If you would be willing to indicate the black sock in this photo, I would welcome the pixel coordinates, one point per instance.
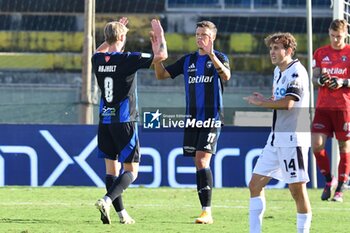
(199, 187)
(119, 185)
(205, 178)
(118, 202)
(340, 186)
(328, 177)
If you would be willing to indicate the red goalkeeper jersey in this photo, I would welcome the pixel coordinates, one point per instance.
(337, 63)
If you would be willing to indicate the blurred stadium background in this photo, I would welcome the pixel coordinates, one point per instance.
(42, 41)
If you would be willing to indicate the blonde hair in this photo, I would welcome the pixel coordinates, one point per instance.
(339, 25)
(113, 30)
(284, 38)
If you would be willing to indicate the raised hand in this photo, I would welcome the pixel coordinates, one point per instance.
(207, 48)
(157, 28)
(158, 41)
(123, 20)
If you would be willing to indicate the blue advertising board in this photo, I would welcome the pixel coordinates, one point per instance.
(47, 155)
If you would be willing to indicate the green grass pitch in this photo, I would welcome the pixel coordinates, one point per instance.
(71, 209)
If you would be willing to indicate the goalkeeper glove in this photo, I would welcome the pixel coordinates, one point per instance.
(336, 83)
(323, 79)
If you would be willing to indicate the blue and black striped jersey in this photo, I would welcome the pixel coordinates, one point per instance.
(116, 76)
(203, 85)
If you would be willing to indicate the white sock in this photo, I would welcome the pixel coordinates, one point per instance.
(256, 212)
(207, 208)
(122, 213)
(304, 222)
(107, 200)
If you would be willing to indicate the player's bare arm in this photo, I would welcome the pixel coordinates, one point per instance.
(223, 71)
(159, 49)
(259, 100)
(158, 41)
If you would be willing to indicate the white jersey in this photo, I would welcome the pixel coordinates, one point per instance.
(291, 128)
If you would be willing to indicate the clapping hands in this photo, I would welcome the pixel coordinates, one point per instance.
(255, 99)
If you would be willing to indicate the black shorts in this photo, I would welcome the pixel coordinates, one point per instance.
(119, 141)
(200, 139)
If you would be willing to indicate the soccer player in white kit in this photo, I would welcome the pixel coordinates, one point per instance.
(285, 155)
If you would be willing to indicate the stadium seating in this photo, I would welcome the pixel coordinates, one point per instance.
(246, 3)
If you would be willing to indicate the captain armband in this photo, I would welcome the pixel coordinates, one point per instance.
(219, 70)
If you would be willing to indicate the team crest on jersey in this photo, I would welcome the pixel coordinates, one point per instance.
(209, 64)
(344, 58)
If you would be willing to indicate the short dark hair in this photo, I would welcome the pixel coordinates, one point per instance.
(339, 25)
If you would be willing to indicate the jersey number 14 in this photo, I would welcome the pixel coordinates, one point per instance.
(290, 165)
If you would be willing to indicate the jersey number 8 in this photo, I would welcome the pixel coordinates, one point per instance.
(108, 83)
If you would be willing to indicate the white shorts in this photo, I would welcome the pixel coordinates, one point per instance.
(288, 164)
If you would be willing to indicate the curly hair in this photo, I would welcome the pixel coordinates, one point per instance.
(284, 38)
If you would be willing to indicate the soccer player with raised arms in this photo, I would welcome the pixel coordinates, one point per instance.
(285, 155)
(115, 71)
(204, 72)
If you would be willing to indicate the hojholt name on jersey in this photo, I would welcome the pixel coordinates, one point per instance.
(112, 68)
